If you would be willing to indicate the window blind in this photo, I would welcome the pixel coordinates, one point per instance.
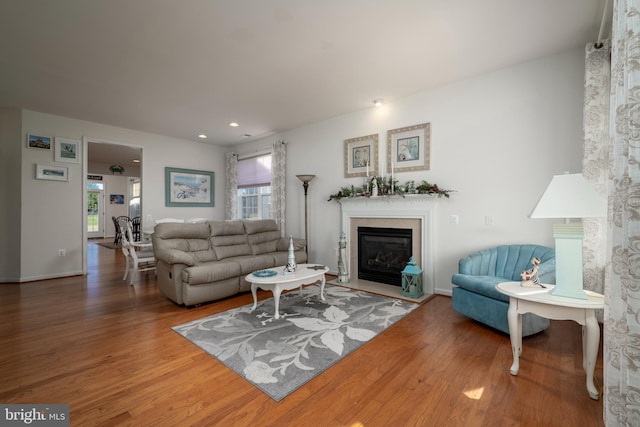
(254, 171)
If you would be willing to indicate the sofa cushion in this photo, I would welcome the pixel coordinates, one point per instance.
(226, 228)
(260, 225)
(228, 239)
(508, 261)
(251, 263)
(174, 230)
(264, 242)
(182, 243)
(263, 235)
(283, 244)
(483, 285)
(210, 272)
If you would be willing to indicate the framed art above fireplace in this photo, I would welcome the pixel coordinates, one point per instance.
(408, 148)
(361, 156)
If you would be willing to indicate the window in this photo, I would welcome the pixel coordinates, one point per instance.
(95, 186)
(254, 187)
(135, 186)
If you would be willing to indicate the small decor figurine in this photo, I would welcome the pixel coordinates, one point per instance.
(291, 259)
(374, 187)
(530, 277)
(343, 273)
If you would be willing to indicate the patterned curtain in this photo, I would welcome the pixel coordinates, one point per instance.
(278, 182)
(597, 84)
(622, 278)
(231, 187)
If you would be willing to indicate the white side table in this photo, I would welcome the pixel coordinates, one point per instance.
(540, 301)
(304, 274)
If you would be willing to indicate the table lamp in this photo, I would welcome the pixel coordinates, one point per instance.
(569, 196)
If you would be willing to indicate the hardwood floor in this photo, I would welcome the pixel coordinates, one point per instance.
(107, 350)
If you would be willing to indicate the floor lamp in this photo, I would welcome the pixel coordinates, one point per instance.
(569, 196)
(305, 183)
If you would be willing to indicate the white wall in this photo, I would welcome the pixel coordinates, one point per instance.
(52, 212)
(10, 130)
(115, 184)
(497, 140)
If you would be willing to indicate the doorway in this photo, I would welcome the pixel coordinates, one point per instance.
(112, 168)
(95, 211)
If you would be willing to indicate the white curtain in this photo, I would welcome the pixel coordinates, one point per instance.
(231, 186)
(278, 183)
(622, 275)
(595, 161)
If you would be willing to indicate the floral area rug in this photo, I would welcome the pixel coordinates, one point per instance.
(278, 356)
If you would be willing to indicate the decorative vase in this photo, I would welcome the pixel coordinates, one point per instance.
(291, 259)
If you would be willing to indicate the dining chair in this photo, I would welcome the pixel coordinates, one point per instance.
(139, 256)
(135, 227)
(116, 223)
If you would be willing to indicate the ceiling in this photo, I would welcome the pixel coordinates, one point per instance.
(180, 68)
(113, 154)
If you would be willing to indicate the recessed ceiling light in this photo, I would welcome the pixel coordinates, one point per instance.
(136, 160)
(234, 124)
(378, 102)
(246, 135)
(202, 136)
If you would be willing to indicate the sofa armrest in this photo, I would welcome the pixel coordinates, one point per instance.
(175, 256)
(283, 244)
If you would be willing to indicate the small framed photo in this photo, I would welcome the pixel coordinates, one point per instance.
(187, 187)
(39, 142)
(52, 173)
(67, 150)
(408, 148)
(116, 199)
(361, 156)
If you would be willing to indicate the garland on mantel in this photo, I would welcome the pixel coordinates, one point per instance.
(384, 189)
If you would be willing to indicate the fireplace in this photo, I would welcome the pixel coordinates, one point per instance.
(411, 212)
(383, 253)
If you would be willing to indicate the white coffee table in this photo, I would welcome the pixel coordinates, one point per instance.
(540, 301)
(304, 274)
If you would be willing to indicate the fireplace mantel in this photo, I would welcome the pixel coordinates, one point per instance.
(389, 211)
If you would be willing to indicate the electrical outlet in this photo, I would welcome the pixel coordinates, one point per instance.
(455, 219)
(488, 220)
(62, 252)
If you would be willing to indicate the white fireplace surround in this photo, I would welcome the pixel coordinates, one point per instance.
(413, 211)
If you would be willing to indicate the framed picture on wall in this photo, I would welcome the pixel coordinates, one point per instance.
(67, 150)
(361, 156)
(116, 199)
(188, 187)
(52, 173)
(39, 142)
(408, 148)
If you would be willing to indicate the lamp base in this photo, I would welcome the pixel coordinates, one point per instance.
(569, 266)
(569, 293)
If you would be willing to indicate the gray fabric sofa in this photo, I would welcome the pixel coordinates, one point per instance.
(202, 262)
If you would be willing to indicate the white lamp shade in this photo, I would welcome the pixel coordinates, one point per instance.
(570, 196)
(305, 178)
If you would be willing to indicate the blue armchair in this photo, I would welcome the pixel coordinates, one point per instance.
(475, 294)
